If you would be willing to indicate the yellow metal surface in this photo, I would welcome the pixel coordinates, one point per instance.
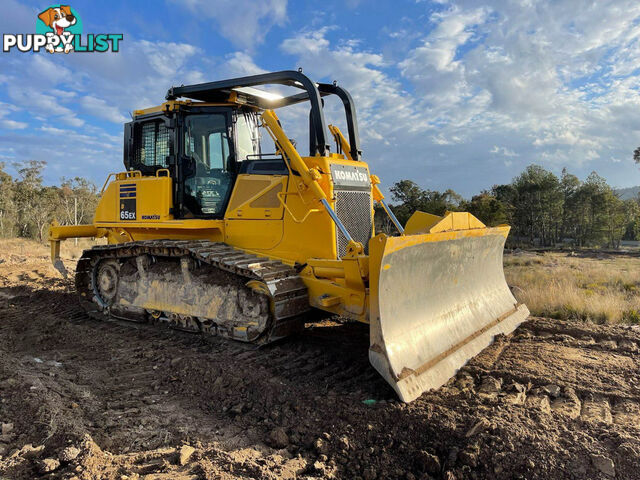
(174, 105)
(262, 238)
(153, 219)
(307, 172)
(327, 301)
(376, 193)
(153, 201)
(256, 197)
(277, 216)
(62, 232)
(421, 222)
(346, 301)
(58, 232)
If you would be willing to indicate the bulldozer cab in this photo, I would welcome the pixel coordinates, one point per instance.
(201, 148)
(205, 140)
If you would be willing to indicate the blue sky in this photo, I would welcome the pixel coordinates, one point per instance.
(458, 95)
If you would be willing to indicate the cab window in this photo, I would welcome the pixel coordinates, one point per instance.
(218, 150)
(151, 146)
(208, 182)
(247, 135)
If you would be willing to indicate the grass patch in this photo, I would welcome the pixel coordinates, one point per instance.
(600, 290)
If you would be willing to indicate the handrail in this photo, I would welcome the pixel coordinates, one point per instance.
(127, 174)
(106, 182)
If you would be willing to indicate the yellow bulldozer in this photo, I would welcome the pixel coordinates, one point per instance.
(207, 233)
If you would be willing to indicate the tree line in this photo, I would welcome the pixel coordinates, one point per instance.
(27, 207)
(542, 208)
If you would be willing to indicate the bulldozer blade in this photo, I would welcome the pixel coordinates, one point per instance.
(437, 300)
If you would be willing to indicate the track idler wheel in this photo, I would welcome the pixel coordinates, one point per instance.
(105, 282)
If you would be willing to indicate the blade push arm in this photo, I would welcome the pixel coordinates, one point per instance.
(379, 197)
(310, 176)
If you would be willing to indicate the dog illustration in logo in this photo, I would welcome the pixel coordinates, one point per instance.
(58, 19)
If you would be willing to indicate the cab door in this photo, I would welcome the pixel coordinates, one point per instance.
(254, 217)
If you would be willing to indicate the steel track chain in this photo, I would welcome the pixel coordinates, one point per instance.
(287, 292)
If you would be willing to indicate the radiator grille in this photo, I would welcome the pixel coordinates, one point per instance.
(354, 211)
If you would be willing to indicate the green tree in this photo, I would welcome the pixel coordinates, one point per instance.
(438, 203)
(27, 207)
(487, 208)
(36, 204)
(598, 214)
(411, 198)
(409, 195)
(538, 205)
(506, 195)
(595, 189)
(8, 214)
(27, 192)
(383, 223)
(613, 217)
(45, 207)
(632, 216)
(569, 185)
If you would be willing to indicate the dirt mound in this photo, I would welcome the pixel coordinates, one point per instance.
(86, 399)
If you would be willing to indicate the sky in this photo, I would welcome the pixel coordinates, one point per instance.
(460, 95)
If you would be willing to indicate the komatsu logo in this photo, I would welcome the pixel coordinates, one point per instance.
(346, 177)
(351, 176)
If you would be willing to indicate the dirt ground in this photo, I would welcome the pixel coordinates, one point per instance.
(83, 399)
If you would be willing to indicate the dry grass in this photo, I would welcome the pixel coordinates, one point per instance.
(600, 288)
(32, 248)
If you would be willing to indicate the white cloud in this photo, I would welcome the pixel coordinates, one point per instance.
(243, 22)
(165, 58)
(47, 104)
(101, 109)
(240, 64)
(67, 152)
(361, 72)
(432, 67)
(546, 77)
(13, 125)
(504, 151)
